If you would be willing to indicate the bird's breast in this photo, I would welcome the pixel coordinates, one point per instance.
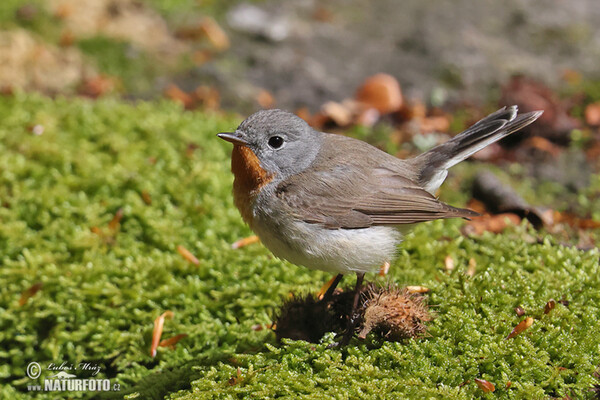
(249, 178)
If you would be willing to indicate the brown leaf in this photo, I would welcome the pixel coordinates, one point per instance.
(472, 267)
(265, 99)
(146, 197)
(439, 123)
(29, 292)
(485, 385)
(448, 263)
(215, 34)
(201, 57)
(549, 306)
(337, 112)
(531, 95)
(172, 341)
(544, 145)
(521, 326)
(381, 92)
(574, 221)
(98, 86)
(592, 114)
(417, 289)
(208, 96)
(176, 94)
(245, 242)
(385, 267)
(115, 222)
(187, 255)
(491, 223)
(158, 329)
(520, 311)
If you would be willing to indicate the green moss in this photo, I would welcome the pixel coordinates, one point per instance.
(100, 295)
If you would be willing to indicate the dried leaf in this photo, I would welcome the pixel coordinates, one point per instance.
(471, 269)
(172, 341)
(187, 255)
(574, 221)
(592, 114)
(549, 306)
(337, 112)
(521, 326)
(417, 289)
(208, 96)
(265, 99)
(381, 92)
(245, 242)
(115, 222)
(385, 267)
(448, 263)
(542, 144)
(484, 385)
(215, 34)
(176, 94)
(158, 329)
(98, 86)
(29, 292)
(146, 197)
(491, 223)
(520, 311)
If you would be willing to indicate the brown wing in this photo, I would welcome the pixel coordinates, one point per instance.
(340, 193)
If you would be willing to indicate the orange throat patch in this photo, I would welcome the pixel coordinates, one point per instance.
(249, 178)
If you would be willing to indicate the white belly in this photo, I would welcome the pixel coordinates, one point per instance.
(336, 251)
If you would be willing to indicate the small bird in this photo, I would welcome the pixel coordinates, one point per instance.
(337, 204)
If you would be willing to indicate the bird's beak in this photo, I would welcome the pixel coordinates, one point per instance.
(233, 137)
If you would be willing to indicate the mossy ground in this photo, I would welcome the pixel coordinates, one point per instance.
(101, 294)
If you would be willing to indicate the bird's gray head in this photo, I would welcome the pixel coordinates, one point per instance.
(283, 143)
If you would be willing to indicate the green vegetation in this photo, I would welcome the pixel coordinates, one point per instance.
(103, 287)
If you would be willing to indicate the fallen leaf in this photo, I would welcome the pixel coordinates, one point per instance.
(115, 222)
(215, 34)
(208, 96)
(531, 95)
(176, 94)
(520, 311)
(29, 292)
(146, 197)
(265, 99)
(337, 112)
(543, 144)
(491, 223)
(201, 57)
(549, 306)
(187, 255)
(521, 326)
(172, 341)
(417, 289)
(158, 329)
(235, 378)
(381, 92)
(471, 269)
(485, 385)
(592, 114)
(440, 123)
(383, 270)
(245, 242)
(98, 86)
(574, 221)
(448, 263)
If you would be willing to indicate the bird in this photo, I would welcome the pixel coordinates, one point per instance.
(338, 204)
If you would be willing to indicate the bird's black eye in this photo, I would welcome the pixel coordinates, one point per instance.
(275, 142)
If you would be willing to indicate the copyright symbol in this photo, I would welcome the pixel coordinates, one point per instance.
(34, 370)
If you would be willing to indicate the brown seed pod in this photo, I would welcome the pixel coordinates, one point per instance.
(393, 313)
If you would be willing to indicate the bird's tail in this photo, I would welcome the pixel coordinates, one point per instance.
(433, 165)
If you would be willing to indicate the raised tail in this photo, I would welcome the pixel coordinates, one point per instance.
(433, 165)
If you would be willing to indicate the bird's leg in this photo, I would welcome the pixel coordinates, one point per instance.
(327, 290)
(352, 316)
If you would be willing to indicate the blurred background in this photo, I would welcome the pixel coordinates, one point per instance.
(403, 76)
